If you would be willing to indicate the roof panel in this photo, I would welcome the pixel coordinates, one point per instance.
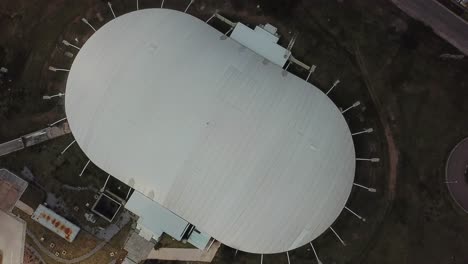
(55, 223)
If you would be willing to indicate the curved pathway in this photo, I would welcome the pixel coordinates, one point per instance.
(393, 153)
(35, 254)
(62, 260)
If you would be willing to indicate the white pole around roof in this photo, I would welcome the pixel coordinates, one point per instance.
(235, 253)
(352, 106)
(112, 10)
(73, 142)
(287, 65)
(162, 3)
(312, 69)
(367, 130)
(58, 121)
(364, 187)
(211, 17)
(191, 2)
(87, 23)
(66, 43)
(336, 234)
(367, 159)
(333, 86)
(48, 97)
(86, 166)
(52, 68)
(261, 259)
(315, 253)
(448, 182)
(137, 5)
(104, 186)
(287, 254)
(358, 216)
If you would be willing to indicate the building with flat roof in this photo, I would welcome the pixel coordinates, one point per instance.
(212, 129)
(12, 238)
(11, 189)
(55, 223)
(12, 228)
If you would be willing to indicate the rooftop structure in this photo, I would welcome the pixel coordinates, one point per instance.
(55, 223)
(106, 207)
(155, 219)
(11, 189)
(211, 130)
(263, 41)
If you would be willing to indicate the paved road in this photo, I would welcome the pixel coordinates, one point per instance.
(34, 138)
(11, 146)
(32, 253)
(443, 21)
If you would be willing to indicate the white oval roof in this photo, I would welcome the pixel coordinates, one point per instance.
(261, 161)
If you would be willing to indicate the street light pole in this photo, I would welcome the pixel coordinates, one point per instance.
(48, 97)
(449, 182)
(68, 44)
(366, 159)
(87, 23)
(367, 130)
(58, 121)
(51, 68)
(355, 214)
(364, 187)
(312, 69)
(352, 106)
(112, 10)
(333, 86)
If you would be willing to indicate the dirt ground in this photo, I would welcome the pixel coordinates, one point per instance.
(415, 101)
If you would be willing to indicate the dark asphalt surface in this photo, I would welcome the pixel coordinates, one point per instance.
(455, 171)
(445, 23)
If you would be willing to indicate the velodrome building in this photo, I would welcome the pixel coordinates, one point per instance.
(218, 141)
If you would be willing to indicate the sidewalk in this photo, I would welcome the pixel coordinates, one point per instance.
(185, 254)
